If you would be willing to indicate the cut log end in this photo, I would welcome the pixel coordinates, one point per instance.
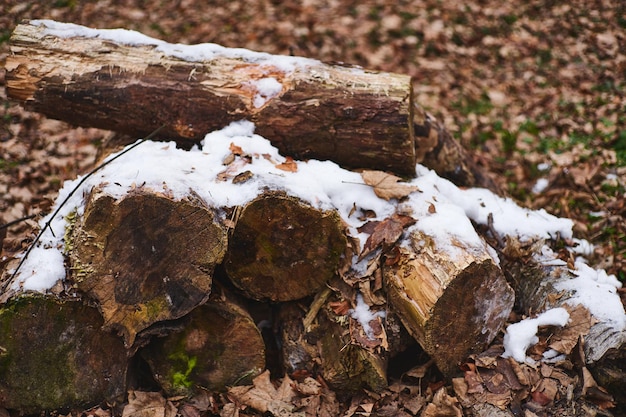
(123, 256)
(219, 347)
(53, 355)
(283, 249)
(453, 307)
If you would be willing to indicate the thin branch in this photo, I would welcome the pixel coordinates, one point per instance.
(11, 223)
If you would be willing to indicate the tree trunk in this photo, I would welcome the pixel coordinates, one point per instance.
(283, 249)
(53, 355)
(452, 300)
(307, 109)
(311, 110)
(145, 258)
(219, 346)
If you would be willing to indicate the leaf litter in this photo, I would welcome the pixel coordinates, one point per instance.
(511, 80)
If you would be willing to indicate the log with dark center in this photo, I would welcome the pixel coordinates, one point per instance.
(145, 258)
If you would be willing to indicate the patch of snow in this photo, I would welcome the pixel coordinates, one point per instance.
(582, 247)
(523, 334)
(266, 89)
(362, 313)
(540, 185)
(597, 291)
(196, 53)
(544, 166)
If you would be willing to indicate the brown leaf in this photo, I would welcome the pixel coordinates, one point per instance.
(384, 233)
(236, 150)
(289, 165)
(564, 339)
(387, 186)
(443, 405)
(148, 404)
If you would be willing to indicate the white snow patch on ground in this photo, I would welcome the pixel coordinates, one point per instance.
(522, 335)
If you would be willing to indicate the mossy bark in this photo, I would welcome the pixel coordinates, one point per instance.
(219, 346)
(54, 356)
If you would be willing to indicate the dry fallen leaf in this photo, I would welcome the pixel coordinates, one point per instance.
(387, 186)
(148, 404)
(289, 165)
(384, 233)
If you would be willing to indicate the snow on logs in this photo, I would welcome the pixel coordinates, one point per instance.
(127, 82)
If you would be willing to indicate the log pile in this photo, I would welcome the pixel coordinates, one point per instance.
(173, 278)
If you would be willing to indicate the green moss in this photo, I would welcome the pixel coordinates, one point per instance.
(183, 365)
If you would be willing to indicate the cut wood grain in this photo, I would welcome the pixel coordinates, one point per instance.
(145, 258)
(452, 300)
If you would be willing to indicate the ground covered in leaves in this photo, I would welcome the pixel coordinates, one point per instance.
(536, 88)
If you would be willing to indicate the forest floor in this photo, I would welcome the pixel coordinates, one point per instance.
(536, 89)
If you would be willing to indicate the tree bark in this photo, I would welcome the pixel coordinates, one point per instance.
(453, 301)
(357, 118)
(145, 258)
(54, 356)
(283, 249)
(219, 346)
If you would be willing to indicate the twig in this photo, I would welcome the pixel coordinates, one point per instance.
(89, 174)
(11, 223)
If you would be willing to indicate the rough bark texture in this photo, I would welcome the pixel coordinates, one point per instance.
(54, 356)
(284, 249)
(145, 258)
(220, 346)
(357, 118)
(453, 302)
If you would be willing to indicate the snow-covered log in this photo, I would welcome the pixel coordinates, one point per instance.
(53, 355)
(145, 257)
(127, 82)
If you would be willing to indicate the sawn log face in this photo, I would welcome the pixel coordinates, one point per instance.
(145, 258)
(284, 249)
(454, 304)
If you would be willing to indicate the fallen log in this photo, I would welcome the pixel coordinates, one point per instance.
(129, 83)
(144, 257)
(283, 249)
(219, 346)
(355, 117)
(53, 356)
(453, 299)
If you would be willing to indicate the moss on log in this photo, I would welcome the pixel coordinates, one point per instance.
(54, 356)
(220, 346)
